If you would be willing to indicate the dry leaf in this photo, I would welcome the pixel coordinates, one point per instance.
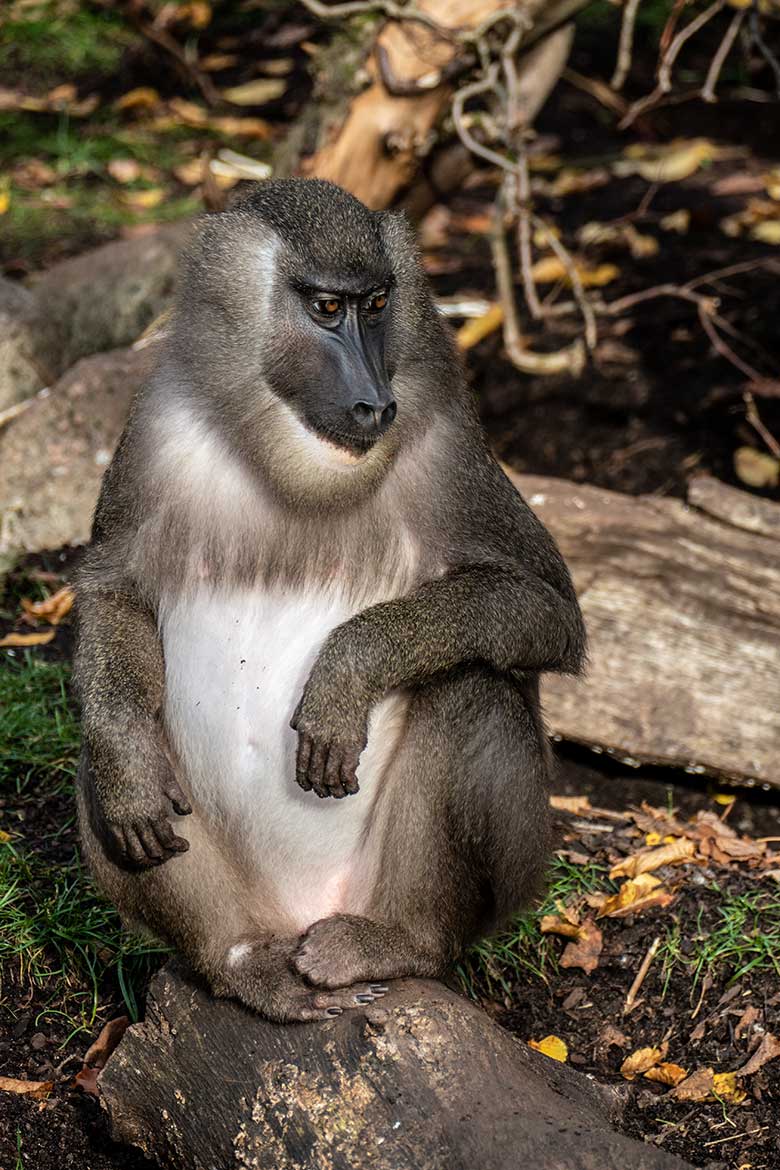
(143, 98)
(143, 200)
(681, 849)
(641, 1060)
(87, 1079)
(572, 182)
(696, 1087)
(586, 950)
(669, 163)
(241, 127)
(550, 269)
(678, 221)
(551, 1046)
(666, 1074)
(188, 112)
(214, 62)
(124, 170)
(768, 231)
(755, 468)
(578, 805)
(191, 172)
(478, 328)
(4, 837)
(37, 1089)
(53, 608)
(255, 93)
(39, 639)
(635, 894)
(726, 1086)
(98, 1053)
(554, 924)
(768, 1049)
(5, 201)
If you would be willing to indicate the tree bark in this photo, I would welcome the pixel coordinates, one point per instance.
(682, 605)
(423, 1080)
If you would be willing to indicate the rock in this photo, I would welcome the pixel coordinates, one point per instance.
(52, 457)
(20, 374)
(104, 298)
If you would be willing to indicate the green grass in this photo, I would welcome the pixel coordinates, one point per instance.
(56, 934)
(56, 40)
(741, 935)
(497, 964)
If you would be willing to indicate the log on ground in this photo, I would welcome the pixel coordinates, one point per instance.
(682, 604)
(422, 1080)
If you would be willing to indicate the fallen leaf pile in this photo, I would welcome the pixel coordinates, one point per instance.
(650, 852)
(50, 610)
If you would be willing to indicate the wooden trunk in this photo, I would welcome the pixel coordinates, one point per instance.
(422, 1080)
(682, 605)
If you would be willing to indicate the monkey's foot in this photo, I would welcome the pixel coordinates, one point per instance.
(300, 1004)
(331, 953)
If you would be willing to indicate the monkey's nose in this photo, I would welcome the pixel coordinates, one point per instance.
(374, 418)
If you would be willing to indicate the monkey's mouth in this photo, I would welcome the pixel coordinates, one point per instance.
(345, 448)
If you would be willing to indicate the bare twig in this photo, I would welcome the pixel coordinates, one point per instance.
(641, 975)
(570, 360)
(584, 305)
(626, 44)
(690, 30)
(763, 47)
(718, 61)
(756, 422)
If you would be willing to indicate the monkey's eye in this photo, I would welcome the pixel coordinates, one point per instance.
(327, 306)
(377, 302)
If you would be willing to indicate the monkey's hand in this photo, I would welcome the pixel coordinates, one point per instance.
(332, 724)
(136, 795)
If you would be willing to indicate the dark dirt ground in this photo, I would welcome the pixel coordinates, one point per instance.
(656, 404)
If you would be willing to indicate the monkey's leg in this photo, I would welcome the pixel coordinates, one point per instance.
(464, 834)
(200, 904)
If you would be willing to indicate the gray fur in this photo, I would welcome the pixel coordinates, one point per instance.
(455, 597)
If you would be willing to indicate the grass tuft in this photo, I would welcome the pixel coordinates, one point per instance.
(56, 934)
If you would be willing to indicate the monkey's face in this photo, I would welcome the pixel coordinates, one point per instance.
(327, 356)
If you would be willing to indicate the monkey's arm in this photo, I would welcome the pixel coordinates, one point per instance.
(120, 680)
(500, 613)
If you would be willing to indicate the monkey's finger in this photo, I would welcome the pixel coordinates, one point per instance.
(168, 840)
(133, 848)
(302, 762)
(317, 764)
(332, 777)
(151, 846)
(349, 778)
(181, 805)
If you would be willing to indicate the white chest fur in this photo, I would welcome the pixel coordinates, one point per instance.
(236, 663)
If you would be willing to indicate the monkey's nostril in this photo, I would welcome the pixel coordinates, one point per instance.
(389, 413)
(363, 413)
(374, 418)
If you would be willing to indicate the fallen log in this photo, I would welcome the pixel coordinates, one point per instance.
(423, 1080)
(390, 126)
(682, 604)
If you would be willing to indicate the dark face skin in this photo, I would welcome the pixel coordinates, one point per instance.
(335, 372)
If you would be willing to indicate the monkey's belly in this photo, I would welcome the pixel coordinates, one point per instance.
(235, 668)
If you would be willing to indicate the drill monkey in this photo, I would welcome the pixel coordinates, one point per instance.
(312, 620)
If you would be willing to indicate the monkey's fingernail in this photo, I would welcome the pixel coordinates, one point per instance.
(334, 1011)
(364, 997)
(378, 988)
